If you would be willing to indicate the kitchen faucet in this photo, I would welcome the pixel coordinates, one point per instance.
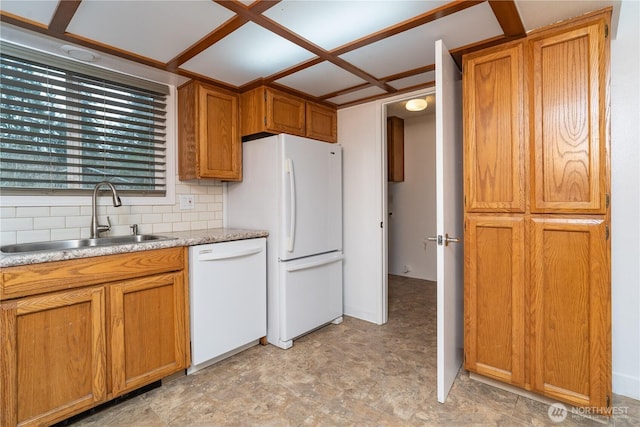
(96, 228)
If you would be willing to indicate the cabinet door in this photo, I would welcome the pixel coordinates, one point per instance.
(395, 149)
(148, 330)
(285, 113)
(495, 278)
(494, 131)
(571, 317)
(53, 356)
(321, 122)
(569, 145)
(220, 147)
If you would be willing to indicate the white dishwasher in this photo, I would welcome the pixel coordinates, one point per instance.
(228, 299)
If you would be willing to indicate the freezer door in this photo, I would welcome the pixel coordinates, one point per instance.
(312, 197)
(311, 294)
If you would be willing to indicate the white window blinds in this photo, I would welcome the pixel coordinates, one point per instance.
(65, 126)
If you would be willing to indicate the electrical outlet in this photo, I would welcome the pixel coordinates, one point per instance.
(187, 201)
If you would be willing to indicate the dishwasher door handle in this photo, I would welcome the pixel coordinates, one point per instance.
(209, 255)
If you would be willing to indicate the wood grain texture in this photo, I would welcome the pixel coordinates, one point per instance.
(395, 149)
(494, 130)
(209, 144)
(220, 147)
(35, 279)
(147, 330)
(321, 122)
(187, 139)
(495, 274)
(569, 144)
(56, 356)
(285, 113)
(570, 282)
(567, 252)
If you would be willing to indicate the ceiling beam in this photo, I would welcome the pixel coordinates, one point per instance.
(283, 32)
(508, 17)
(432, 15)
(63, 15)
(218, 34)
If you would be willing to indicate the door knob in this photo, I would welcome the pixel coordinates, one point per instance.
(446, 239)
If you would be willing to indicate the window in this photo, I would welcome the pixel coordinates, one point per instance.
(65, 126)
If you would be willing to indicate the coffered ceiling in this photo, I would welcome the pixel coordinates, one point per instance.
(340, 52)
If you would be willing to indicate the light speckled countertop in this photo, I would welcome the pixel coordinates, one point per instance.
(181, 238)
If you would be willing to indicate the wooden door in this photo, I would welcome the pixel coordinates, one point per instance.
(569, 144)
(148, 330)
(321, 122)
(570, 309)
(495, 277)
(285, 113)
(53, 356)
(495, 130)
(220, 147)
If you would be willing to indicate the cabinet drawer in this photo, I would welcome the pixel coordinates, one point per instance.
(52, 276)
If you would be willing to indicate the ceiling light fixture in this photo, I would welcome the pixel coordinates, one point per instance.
(417, 104)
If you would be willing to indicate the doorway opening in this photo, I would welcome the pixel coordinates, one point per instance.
(410, 193)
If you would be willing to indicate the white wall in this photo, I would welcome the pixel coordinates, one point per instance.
(413, 203)
(360, 134)
(625, 199)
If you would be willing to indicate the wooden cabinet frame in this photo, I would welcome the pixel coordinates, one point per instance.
(564, 351)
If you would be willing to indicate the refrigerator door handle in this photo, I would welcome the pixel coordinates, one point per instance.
(291, 238)
(317, 263)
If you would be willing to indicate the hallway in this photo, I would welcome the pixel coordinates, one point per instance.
(356, 373)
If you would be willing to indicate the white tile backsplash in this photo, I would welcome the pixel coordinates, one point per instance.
(41, 223)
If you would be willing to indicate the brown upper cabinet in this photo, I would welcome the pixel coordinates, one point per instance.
(537, 248)
(495, 130)
(569, 68)
(209, 144)
(395, 149)
(267, 110)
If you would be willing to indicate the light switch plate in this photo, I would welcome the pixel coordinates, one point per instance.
(187, 201)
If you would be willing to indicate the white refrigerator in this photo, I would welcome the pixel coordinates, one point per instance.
(292, 187)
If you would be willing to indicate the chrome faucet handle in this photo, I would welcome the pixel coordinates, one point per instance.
(102, 228)
(134, 229)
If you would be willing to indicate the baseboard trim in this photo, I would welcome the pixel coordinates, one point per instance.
(626, 385)
(533, 396)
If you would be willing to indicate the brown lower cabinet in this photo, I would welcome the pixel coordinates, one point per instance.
(122, 325)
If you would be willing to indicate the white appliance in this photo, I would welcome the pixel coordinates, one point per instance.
(228, 299)
(292, 187)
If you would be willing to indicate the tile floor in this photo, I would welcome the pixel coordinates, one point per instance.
(356, 373)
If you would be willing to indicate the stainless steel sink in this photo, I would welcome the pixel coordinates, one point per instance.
(58, 245)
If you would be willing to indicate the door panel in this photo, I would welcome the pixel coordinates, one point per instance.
(495, 274)
(312, 194)
(449, 197)
(571, 313)
(569, 144)
(495, 131)
(311, 293)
